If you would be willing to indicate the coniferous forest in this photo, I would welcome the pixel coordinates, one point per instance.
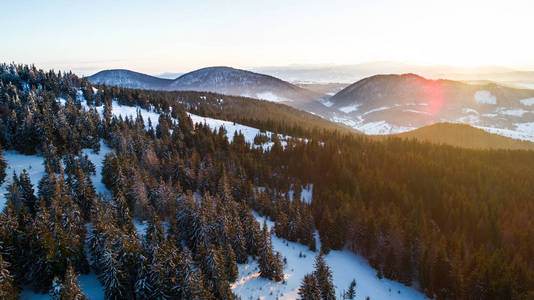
(454, 223)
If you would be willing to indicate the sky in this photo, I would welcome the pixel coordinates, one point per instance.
(179, 36)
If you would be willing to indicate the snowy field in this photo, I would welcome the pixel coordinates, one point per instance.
(345, 267)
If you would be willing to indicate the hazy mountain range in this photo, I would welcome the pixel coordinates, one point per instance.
(223, 80)
(352, 73)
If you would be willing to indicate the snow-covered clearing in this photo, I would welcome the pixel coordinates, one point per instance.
(526, 128)
(98, 161)
(269, 96)
(513, 112)
(485, 97)
(345, 267)
(248, 132)
(125, 111)
(350, 108)
(305, 194)
(527, 102)
(17, 162)
(231, 128)
(524, 131)
(381, 127)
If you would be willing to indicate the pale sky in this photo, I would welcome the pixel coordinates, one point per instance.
(180, 36)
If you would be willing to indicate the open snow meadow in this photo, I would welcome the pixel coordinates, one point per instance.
(345, 267)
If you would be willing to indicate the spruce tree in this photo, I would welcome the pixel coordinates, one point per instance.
(48, 187)
(112, 276)
(14, 194)
(309, 288)
(28, 194)
(351, 292)
(67, 289)
(270, 263)
(3, 166)
(324, 278)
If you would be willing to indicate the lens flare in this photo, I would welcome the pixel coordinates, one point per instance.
(435, 97)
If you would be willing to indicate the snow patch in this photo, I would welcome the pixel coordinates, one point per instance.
(514, 112)
(485, 97)
(382, 127)
(305, 194)
(377, 109)
(350, 108)
(525, 127)
(416, 111)
(140, 227)
(326, 102)
(527, 102)
(522, 132)
(269, 96)
(467, 110)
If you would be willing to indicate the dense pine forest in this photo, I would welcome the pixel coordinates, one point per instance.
(455, 223)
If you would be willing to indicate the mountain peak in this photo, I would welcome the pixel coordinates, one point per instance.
(217, 79)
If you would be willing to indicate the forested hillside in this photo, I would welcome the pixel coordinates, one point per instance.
(260, 114)
(465, 136)
(454, 223)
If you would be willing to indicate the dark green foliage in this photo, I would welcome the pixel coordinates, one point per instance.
(270, 262)
(324, 278)
(67, 289)
(3, 166)
(351, 292)
(309, 289)
(8, 289)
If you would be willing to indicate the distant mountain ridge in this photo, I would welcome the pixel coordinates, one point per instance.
(129, 79)
(222, 80)
(385, 104)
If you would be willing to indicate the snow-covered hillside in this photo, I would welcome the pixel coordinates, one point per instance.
(91, 286)
(345, 267)
(390, 104)
(231, 128)
(34, 165)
